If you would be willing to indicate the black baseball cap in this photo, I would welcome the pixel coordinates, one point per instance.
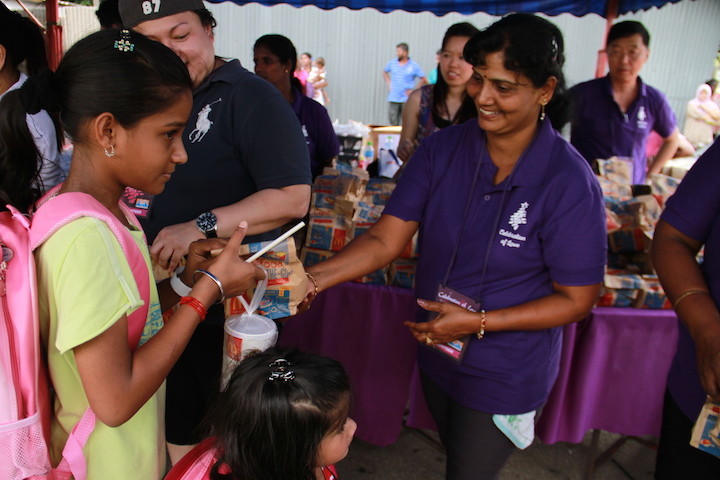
(133, 12)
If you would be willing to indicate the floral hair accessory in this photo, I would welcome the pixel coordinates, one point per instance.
(280, 370)
(124, 44)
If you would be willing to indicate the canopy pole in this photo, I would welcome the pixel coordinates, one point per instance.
(54, 33)
(30, 15)
(611, 15)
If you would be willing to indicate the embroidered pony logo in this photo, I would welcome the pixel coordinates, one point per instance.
(520, 217)
(203, 123)
(641, 114)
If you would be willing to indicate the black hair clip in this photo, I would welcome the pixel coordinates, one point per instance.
(124, 44)
(280, 370)
(554, 49)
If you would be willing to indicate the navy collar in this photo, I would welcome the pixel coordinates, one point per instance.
(227, 72)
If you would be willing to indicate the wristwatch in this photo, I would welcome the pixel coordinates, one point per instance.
(207, 224)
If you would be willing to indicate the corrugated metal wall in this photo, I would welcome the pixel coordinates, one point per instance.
(356, 45)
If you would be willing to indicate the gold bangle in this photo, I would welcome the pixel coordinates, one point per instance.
(687, 294)
(481, 333)
(314, 282)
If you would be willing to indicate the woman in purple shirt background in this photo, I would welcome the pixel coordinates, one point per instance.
(511, 222)
(275, 61)
(691, 219)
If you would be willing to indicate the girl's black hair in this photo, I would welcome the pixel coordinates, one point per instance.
(94, 76)
(440, 89)
(272, 429)
(533, 47)
(284, 49)
(23, 41)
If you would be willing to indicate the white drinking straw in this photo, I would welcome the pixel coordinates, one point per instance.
(282, 237)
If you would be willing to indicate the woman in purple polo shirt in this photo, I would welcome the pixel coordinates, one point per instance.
(275, 61)
(691, 219)
(512, 226)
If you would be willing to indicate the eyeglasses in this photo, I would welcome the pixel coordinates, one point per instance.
(619, 54)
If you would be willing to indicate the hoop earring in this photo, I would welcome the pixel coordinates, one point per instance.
(542, 110)
(111, 153)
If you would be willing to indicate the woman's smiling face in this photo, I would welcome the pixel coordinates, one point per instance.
(507, 101)
(185, 34)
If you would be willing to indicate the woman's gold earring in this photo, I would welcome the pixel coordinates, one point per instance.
(542, 110)
(111, 153)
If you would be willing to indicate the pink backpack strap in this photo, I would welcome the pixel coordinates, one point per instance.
(196, 464)
(54, 212)
(73, 463)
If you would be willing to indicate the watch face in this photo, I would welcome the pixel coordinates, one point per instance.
(207, 222)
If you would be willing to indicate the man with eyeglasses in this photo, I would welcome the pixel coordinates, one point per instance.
(614, 115)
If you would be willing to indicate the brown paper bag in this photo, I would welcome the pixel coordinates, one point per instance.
(287, 281)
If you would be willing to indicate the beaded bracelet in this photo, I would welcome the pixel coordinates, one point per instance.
(483, 317)
(195, 304)
(214, 279)
(314, 282)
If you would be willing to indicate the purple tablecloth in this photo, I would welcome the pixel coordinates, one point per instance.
(612, 371)
(362, 327)
(612, 376)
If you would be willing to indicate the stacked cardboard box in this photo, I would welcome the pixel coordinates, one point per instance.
(632, 214)
(343, 206)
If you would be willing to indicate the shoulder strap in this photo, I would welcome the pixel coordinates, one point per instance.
(73, 463)
(54, 212)
(196, 464)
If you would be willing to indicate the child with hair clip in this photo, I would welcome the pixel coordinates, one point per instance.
(284, 416)
(124, 100)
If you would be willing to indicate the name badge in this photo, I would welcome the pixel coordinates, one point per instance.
(455, 350)
(138, 201)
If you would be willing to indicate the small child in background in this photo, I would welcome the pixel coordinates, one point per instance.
(284, 416)
(318, 79)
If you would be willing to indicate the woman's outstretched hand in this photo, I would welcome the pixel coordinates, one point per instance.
(310, 294)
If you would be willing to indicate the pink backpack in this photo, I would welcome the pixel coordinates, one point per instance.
(25, 406)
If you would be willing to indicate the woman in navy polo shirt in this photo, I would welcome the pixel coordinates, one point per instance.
(512, 226)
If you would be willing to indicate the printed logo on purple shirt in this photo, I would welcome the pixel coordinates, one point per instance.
(516, 219)
(641, 119)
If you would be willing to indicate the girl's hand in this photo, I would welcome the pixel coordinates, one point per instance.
(452, 323)
(235, 274)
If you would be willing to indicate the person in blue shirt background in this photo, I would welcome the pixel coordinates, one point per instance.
(400, 74)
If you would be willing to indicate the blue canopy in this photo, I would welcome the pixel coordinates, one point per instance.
(467, 7)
